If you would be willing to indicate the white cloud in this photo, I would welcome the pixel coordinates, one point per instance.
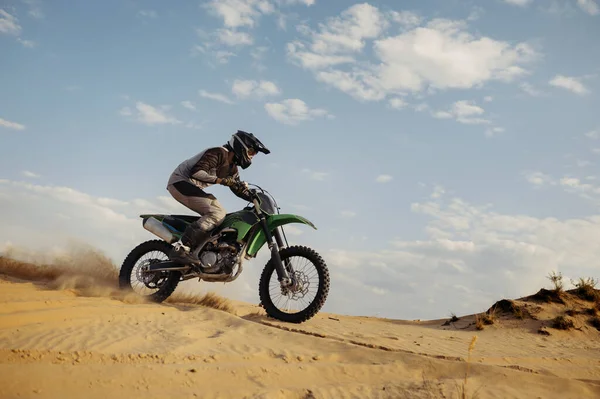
(438, 191)
(125, 111)
(26, 43)
(239, 18)
(215, 96)
(347, 32)
(30, 174)
(431, 56)
(211, 46)
(189, 105)
(358, 84)
(406, 19)
(592, 134)
(538, 178)
(292, 111)
(569, 83)
(150, 115)
(9, 24)
(463, 111)
(492, 131)
(488, 99)
(296, 52)
(397, 103)
(569, 184)
(383, 178)
(293, 2)
(231, 37)
(314, 175)
(589, 6)
(486, 254)
(257, 54)
(444, 49)
(520, 3)
(35, 10)
(193, 125)
(11, 125)
(253, 88)
(148, 14)
(530, 89)
(239, 13)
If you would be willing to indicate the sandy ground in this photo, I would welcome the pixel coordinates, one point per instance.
(56, 343)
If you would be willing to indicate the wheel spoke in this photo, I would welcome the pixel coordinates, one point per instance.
(301, 294)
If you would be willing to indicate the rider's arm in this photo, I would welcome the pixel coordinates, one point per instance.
(206, 168)
(241, 191)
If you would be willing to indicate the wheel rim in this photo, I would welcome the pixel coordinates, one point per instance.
(144, 283)
(305, 286)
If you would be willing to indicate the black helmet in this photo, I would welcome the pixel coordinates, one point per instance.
(240, 143)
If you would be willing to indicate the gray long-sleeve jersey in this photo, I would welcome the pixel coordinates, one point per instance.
(203, 169)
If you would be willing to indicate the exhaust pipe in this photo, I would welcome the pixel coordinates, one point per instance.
(156, 227)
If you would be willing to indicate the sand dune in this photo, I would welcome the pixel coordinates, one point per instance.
(67, 332)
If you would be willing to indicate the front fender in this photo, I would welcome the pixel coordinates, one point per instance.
(273, 221)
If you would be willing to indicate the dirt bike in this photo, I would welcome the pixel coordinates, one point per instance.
(239, 237)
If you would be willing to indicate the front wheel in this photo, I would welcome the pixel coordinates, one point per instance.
(309, 290)
(156, 286)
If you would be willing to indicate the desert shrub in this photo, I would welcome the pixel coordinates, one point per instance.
(549, 296)
(556, 280)
(571, 312)
(509, 306)
(586, 289)
(484, 319)
(452, 319)
(592, 311)
(562, 323)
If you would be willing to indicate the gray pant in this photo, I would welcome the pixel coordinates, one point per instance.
(211, 211)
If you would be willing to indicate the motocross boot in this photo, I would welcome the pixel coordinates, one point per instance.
(182, 253)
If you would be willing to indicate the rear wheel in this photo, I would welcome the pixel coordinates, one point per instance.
(156, 286)
(309, 290)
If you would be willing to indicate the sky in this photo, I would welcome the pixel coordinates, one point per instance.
(446, 150)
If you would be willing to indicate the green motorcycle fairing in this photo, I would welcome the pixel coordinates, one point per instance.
(242, 221)
(273, 221)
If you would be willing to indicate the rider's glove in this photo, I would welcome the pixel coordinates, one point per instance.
(228, 181)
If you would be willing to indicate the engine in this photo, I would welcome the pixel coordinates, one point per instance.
(220, 257)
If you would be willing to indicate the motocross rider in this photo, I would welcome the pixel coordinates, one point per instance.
(215, 165)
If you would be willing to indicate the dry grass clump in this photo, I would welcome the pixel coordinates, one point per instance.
(572, 312)
(586, 289)
(553, 295)
(452, 319)
(595, 322)
(209, 300)
(462, 389)
(508, 306)
(592, 311)
(562, 323)
(483, 319)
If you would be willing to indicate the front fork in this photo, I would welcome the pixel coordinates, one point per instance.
(283, 273)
